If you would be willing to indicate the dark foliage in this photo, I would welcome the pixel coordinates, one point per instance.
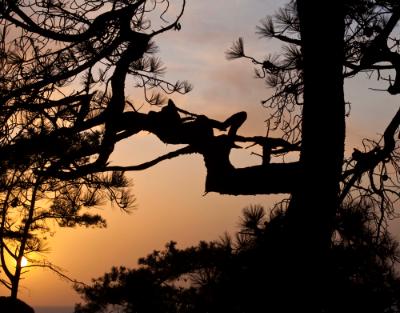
(10, 305)
(63, 66)
(245, 274)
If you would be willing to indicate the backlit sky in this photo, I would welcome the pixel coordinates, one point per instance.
(171, 204)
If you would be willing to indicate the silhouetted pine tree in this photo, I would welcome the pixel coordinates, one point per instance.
(242, 274)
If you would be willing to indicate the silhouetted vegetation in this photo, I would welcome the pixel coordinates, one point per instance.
(11, 305)
(32, 205)
(64, 107)
(244, 273)
(62, 95)
(308, 107)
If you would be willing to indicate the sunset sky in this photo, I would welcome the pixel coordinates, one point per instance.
(171, 204)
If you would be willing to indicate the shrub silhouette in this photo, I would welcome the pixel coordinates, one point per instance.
(247, 273)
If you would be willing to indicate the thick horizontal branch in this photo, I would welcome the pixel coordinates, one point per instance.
(196, 132)
(273, 178)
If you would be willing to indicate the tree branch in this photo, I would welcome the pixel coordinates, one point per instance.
(96, 27)
(270, 179)
(369, 160)
(174, 25)
(145, 165)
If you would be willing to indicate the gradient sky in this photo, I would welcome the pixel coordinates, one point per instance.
(171, 204)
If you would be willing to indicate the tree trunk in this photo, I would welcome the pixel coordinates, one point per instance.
(314, 204)
(15, 285)
(25, 235)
